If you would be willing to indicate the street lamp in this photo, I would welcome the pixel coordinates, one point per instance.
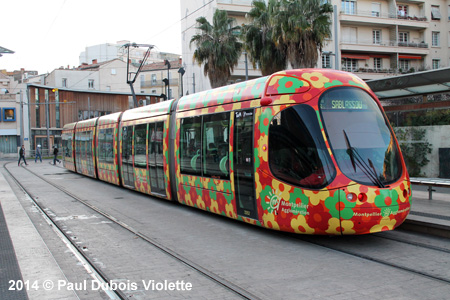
(167, 63)
(166, 84)
(181, 71)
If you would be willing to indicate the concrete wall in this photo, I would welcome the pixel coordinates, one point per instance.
(438, 137)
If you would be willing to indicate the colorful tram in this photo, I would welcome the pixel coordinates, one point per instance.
(307, 151)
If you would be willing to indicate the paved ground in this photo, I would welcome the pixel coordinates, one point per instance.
(267, 264)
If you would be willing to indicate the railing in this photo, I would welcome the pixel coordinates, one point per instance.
(387, 43)
(430, 183)
(377, 14)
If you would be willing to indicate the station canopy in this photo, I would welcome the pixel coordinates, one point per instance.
(414, 84)
(4, 50)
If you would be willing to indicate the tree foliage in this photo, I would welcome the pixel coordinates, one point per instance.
(218, 47)
(258, 37)
(301, 27)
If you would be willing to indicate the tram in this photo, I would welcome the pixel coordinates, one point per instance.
(307, 151)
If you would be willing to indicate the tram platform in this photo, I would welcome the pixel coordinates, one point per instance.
(24, 256)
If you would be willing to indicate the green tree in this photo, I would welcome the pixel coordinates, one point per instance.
(218, 47)
(258, 37)
(300, 27)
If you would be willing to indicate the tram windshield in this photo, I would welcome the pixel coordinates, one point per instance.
(360, 138)
(297, 151)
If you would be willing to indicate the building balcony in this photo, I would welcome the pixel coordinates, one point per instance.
(383, 19)
(386, 47)
(158, 83)
(235, 7)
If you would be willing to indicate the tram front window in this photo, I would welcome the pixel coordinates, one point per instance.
(297, 151)
(360, 137)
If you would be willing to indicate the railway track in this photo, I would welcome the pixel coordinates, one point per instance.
(337, 244)
(360, 254)
(91, 266)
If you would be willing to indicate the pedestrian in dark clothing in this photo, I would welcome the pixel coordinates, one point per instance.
(38, 154)
(55, 153)
(22, 155)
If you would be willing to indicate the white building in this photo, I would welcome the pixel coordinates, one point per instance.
(375, 38)
(110, 51)
(110, 76)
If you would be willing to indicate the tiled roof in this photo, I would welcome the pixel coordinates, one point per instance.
(174, 64)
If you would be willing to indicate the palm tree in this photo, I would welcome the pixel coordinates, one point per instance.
(301, 26)
(258, 38)
(218, 47)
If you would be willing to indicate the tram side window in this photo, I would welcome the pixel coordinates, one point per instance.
(297, 154)
(89, 153)
(101, 146)
(190, 146)
(109, 145)
(216, 145)
(140, 134)
(67, 145)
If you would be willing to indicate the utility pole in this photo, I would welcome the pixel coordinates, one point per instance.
(130, 78)
(167, 63)
(246, 66)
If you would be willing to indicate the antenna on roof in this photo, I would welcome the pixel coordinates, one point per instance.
(131, 76)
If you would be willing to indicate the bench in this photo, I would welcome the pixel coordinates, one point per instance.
(431, 182)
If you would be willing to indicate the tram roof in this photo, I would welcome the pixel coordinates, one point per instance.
(87, 123)
(69, 126)
(419, 83)
(247, 90)
(109, 119)
(148, 111)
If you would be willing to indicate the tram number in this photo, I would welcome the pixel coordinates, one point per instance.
(247, 212)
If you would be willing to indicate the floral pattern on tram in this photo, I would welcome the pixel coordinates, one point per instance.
(326, 211)
(280, 205)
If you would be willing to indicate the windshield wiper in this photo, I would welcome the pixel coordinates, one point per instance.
(357, 160)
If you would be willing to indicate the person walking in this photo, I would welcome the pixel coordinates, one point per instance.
(22, 156)
(38, 153)
(55, 153)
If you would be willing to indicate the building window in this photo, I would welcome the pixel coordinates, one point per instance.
(436, 64)
(376, 9)
(153, 79)
(376, 37)
(403, 65)
(91, 83)
(402, 11)
(435, 39)
(38, 112)
(349, 7)
(64, 82)
(377, 63)
(350, 65)
(57, 110)
(113, 71)
(435, 12)
(403, 38)
(9, 114)
(326, 61)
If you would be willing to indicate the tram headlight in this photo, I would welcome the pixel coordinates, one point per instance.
(351, 197)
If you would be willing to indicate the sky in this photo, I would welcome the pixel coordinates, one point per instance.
(48, 34)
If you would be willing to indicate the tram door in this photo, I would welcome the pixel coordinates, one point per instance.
(127, 158)
(243, 163)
